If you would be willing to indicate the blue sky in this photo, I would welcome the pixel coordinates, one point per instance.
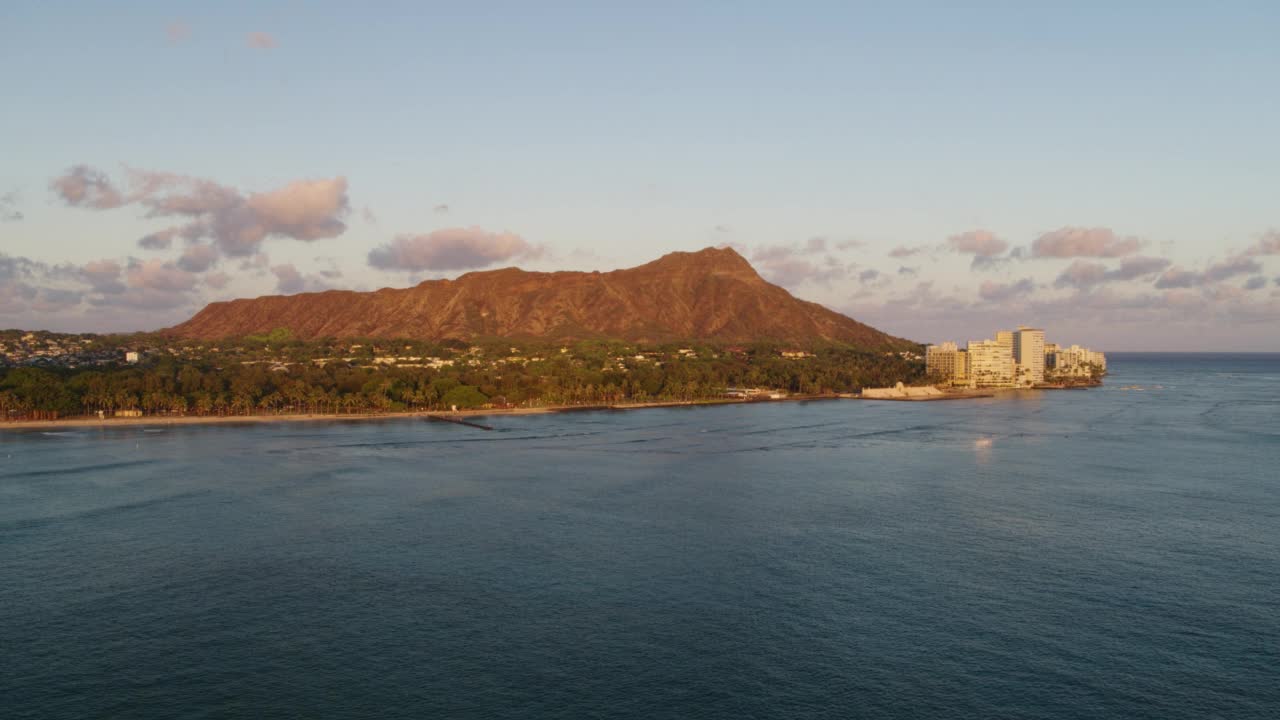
(385, 146)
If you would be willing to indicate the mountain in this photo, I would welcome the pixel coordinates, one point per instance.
(712, 294)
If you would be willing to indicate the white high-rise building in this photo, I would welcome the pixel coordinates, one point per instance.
(1078, 361)
(990, 363)
(1028, 355)
(947, 362)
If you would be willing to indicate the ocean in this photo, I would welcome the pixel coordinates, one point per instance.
(1102, 553)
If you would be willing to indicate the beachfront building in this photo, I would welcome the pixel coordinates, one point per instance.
(991, 362)
(1014, 358)
(1076, 361)
(948, 363)
(1028, 355)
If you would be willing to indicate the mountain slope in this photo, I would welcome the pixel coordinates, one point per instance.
(712, 294)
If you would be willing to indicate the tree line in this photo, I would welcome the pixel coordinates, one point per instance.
(591, 374)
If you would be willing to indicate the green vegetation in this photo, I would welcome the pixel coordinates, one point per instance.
(275, 374)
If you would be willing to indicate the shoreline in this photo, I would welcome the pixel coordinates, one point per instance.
(86, 422)
(179, 420)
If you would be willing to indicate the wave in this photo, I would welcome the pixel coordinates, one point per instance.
(99, 512)
(77, 470)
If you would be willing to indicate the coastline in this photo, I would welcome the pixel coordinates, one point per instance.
(166, 421)
(86, 422)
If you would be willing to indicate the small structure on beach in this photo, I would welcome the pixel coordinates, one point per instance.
(900, 391)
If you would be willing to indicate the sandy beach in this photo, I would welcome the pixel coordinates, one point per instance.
(173, 420)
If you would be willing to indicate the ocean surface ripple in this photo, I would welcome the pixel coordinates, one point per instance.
(1110, 553)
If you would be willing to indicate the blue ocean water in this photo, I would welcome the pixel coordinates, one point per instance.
(1108, 553)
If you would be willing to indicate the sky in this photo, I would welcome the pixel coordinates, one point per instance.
(1106, 171)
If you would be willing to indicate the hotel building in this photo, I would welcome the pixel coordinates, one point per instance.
(947, 362)
(1028, 355)
(1014, 358)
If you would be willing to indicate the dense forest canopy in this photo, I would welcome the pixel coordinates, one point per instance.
(276, 374)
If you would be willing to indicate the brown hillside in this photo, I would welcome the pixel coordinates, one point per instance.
(713, 294)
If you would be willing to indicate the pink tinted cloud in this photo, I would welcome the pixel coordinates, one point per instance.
(104, 276)
(1070, 242)
(798, 263)
(304, 210)
(83, 186)
(198, 257)
(982, 243)
(451, 249)
(159, 275)
(1085, 274)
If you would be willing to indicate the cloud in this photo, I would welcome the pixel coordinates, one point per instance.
(1268, 244)
(198, 257)
(1139, 266)
(1069, 242)
(1105, 317)
(798, 263)
(992, 291)
(1178, 278)
(160, 240)
(150, 287)
(8, 207)
(159, 275)
(983, 245)
(82, 186)
(13, 268)
(177, 32)
(258, 263)
(54, 300)
(1231, 268)
(217, 280)
(368, 215)
(1256, 282)
(260, 40)
(908, 271)
(305, 210)
(903, 251)
(34, 291)
(104, 276)
(31, 286)
(980, 243)
(141, 299)
(1215, 273)
(288, 279)
(1084, 274)
(869, 275)
(451, 249)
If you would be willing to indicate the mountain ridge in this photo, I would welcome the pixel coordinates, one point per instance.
(711, 294)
